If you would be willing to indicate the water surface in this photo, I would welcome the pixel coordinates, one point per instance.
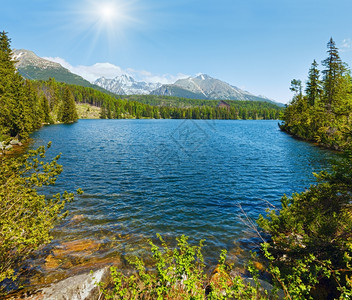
(173, 177)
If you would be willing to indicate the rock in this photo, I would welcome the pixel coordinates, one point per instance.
(77, 219)
(51, 262)
(15, 142)
(71, 253)
(219, 280)
(77, 247)
(79, 287)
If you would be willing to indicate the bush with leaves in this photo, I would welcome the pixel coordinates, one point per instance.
(26, 217)
(179, 273)
(311, 236)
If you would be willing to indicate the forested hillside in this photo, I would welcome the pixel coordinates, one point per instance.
(24, 107)
(323, 113)
(145, 106)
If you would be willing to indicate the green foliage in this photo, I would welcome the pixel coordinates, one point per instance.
(179, 273)
(26, 217)
(68, 111)
(324, 114)
(311, 237)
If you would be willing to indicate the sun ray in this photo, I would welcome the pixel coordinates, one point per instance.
(104, 24)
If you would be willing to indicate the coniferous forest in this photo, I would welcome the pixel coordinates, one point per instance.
(322, 112)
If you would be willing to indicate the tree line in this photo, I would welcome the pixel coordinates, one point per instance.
(323, 113)
(146, 106)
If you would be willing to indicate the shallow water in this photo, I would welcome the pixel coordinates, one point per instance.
(173, 177)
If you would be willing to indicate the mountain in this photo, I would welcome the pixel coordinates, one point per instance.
(205, 87)
(126, 85)
(174, 90)
(31, 66)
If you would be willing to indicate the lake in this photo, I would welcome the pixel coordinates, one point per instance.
(173, 177)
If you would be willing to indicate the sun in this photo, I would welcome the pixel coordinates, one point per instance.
(104, 23)
(107, 12)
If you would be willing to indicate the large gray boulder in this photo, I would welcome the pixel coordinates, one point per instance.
(79, 287)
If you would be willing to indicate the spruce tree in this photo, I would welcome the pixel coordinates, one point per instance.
(334, 71)
(313, 85)
(44, 103)
(13, 119)
(68, 108)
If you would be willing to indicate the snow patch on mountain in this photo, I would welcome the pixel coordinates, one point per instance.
(127, 85)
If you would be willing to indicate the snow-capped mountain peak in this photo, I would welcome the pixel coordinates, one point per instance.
(126, 85)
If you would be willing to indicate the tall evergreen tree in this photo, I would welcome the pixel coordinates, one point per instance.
(334, 71)
(44, 109)
(12, 93)
(313, 85)
(68, 108)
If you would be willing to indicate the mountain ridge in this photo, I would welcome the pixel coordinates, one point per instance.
(204, 86)
(126, 85)
(201, 86)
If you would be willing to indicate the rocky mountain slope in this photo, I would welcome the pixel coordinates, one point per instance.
(126, 85)
(205, 87)
(31, 66)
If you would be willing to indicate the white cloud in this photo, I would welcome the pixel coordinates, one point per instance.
(108, 70)
(346, 45)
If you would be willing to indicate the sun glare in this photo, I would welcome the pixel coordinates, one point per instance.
(107, 11)
(105, 22)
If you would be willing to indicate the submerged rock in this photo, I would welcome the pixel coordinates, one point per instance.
(77, 219)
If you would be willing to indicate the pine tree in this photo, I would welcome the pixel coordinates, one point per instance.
(13, 119)
(45, 109)
(313, 85)
(68, 108)
(334, 72)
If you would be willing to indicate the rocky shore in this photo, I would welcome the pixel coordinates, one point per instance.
(7, 147)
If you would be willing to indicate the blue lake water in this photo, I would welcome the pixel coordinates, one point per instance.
(173, 177)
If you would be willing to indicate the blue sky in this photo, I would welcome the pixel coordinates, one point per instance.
(257, 45)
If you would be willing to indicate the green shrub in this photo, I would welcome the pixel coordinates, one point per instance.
(311, 237)
(26, 217)
(179, 273)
